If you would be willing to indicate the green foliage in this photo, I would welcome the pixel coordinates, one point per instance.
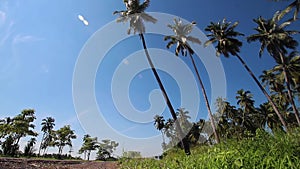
(63, 137)
(265, 150)
(89, 144)
(106, 149)
(29, 148)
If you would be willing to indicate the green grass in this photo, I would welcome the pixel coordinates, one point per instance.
(262, 152)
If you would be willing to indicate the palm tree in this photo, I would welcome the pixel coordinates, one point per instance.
(270, 80)
(292, 68)
(135, 14)
(224, 35)
(159, 123)
(277, 41)
(47, 127)
(181, 39)
(251, 118)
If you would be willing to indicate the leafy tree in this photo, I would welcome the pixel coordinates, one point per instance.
(8, 146)
(223, 34)
(181, 39)
(106, 149)
(135, 14)
(64, 137)
(273, 36)
(22, 125)
(89, 144)
(47, 129)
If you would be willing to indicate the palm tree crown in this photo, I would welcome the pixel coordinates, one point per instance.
(224, 34)
(273, 36)
(181, 37)
(136, 16)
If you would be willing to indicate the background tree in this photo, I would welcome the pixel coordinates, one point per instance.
(29, 148)
(89, 144)
(47, 129)
(64, 137)
(106, 149)
(159, 123)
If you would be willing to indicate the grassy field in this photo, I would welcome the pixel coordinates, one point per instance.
(263, 151)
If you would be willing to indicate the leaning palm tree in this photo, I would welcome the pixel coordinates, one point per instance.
(273, 36)
(181, 39)
(47, 127)
(136, 16)
(223, 34)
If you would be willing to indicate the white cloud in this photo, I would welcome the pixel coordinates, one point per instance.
(24, 39)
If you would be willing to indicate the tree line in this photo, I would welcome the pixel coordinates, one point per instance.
(13, 129)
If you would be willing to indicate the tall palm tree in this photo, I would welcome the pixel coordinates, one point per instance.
(135, 14)
(273, 36)
(181, 39)
(47, 127)
(224, 35)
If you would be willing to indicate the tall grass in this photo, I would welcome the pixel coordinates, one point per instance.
(263, 151)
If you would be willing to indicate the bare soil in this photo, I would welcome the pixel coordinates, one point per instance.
(22, 163)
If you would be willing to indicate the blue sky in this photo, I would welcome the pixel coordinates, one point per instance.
(40, 42)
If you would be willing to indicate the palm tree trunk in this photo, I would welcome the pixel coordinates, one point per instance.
(184, 141)
(287, 81)
(41, 145)
(264, 92)
(213, 125)
(163, 138)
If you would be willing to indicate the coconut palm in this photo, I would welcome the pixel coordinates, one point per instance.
(181, 39)
(159, 123)
(270, 80)
(251, 118)
(292, 67)
(273, 36)
(224, 35)
(47, 127)
(136, 16)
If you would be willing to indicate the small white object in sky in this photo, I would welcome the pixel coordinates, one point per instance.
(84, 21)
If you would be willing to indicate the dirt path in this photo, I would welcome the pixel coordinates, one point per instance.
(20, 163)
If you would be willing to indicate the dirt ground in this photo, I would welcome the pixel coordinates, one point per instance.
(20, 163)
